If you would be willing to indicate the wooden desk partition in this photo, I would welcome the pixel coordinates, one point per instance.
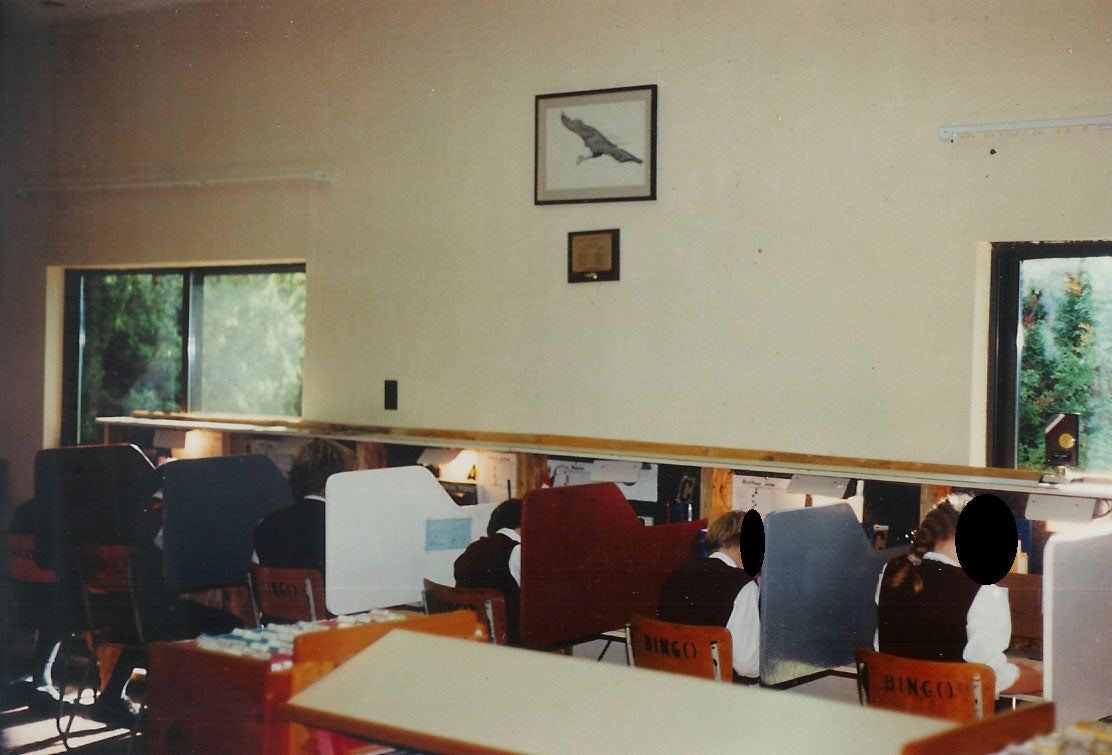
(338, 645)
(588, 562)
(988, 736)
(1025, 601)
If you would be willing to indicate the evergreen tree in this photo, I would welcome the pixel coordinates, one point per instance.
(1063, 376)
(1075, 372)
(1036, 391)
(131, 357)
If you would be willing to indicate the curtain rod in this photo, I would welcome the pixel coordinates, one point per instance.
(315, 176)
(950, 133)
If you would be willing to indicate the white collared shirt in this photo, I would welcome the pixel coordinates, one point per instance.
(744, 625)
(515, 554)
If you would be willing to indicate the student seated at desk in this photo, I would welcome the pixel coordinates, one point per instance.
(717, 590)
(293, 537)
(928, 608)
(494, 561)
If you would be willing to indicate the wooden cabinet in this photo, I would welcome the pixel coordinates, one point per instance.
(215, 703)
(203, 701)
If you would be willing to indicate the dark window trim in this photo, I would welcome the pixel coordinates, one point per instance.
(1003, 356)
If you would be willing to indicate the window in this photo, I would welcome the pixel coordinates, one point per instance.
(213, 340)
(1050, 350)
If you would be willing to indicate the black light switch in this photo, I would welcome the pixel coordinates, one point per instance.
(391, 395)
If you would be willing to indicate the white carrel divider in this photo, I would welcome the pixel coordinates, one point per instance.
(1077, 623)
(386, 530)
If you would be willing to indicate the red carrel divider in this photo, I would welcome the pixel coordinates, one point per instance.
(588, 562)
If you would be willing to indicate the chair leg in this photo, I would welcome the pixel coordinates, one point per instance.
(312, 602)
(252, 593)
(61, 683)
(136, 723)
(65, 732)
(90, 666)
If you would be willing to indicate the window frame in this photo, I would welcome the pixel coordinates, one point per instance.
(74, 328)
(1002, 425)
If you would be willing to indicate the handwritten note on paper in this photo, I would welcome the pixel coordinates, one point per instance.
(569, 472)
(495, 470)
(766, 494)
(447, 534)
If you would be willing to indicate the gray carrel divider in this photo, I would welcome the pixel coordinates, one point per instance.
(210, 509)
(818, 588)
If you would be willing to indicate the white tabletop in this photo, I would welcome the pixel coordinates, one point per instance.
(516, 700)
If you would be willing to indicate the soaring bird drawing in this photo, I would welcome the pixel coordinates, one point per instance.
(596, 142)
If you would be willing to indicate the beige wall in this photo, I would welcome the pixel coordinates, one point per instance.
(811, 277)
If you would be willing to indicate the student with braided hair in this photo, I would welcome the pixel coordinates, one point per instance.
(928, 607)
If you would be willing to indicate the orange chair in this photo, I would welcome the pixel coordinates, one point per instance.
(286, 595)
(954, 691)
(488, 605)
(33, 586)
(694, 650)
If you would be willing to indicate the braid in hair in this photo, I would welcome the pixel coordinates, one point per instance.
(940, 523)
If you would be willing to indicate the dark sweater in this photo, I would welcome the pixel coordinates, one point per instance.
(293, 537)
(701, 592)
(930, 624)
(486, 564)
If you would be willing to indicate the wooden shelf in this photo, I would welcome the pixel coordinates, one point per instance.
(983, 478)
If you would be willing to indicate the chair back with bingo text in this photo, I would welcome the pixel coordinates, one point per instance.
(38, 607)
(286, 595)
(104, 571)
(955, 691)
(32, 585)
(488, 605)
(20, 554)
(704, 651)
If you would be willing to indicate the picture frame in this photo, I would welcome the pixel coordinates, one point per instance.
(594, 256)
(595, 146)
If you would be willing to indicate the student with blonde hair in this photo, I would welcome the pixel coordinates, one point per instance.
(929, 608)
(718, 591)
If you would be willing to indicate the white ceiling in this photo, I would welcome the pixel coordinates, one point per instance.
(22, 15)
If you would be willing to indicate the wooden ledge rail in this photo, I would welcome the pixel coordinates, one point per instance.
(569, 445)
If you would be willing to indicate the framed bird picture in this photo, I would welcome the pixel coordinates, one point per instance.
(596, 146)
